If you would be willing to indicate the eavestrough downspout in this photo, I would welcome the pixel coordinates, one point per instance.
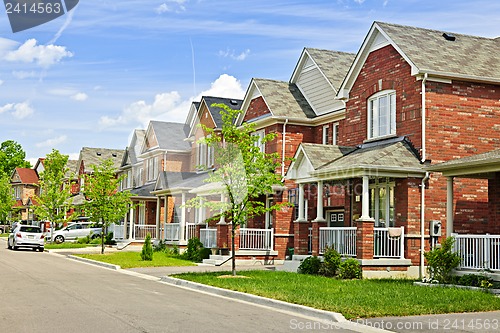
(283, 139)
(424, 180)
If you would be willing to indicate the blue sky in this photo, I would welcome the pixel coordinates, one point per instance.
(90, 77)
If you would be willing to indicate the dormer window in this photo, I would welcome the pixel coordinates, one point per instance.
(382, 114)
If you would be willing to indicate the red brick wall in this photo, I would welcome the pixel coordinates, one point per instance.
(384, 69)
(257, 108)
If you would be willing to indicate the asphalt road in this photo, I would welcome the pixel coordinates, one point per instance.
(42, 292)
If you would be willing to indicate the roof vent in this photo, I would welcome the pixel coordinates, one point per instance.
(114, 154)
(98, 153)
(449, 37)
(233, 102)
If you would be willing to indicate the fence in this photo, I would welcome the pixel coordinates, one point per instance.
(342, 239)
(387, 245)
(256, 239)
(208, 238)
(478, 251)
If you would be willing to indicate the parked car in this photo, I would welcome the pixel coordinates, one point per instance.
(26, 236)
(77, 230)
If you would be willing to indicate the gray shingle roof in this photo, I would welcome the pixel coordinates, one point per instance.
(320, 154)
(94, 156)
(284, 99)
(233, 103)
(139, 140)
(394, 153)
(333, 64)
(171, 136)
(143, 191)
(175, 180)
(484, 158)
(72, 168)
(430, 51)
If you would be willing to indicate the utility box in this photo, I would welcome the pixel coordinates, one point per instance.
(435, 228)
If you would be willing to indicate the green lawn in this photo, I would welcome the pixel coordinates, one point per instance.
(4, 234)
(133, 259)
(353, 298)
(66, 245)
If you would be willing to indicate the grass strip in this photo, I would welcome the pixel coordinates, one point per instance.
(353, 298)
(133, 259)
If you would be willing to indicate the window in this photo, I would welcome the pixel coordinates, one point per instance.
(382, 203)
(335, 136)
(382, 114)
(260, 141)
(129, 179)
(17, 192)
(325, 134)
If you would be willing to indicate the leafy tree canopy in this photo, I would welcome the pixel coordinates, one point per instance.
(12, 156)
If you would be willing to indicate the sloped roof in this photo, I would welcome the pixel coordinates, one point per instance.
(72, 168)
(27, 175)
(176, 180)
(94, 156)
(171, 136)
(139, 135)
(466, 56)
(333, 64)
(320, 154)
(475, 164)
(143, 191)
(395, 153)
(233, 103)
(284, 99)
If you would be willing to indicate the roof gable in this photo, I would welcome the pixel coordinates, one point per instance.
(167, 136)
(95, 156)
(428, 51)
(24, 176)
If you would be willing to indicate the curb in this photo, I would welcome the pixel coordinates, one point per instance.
(95, 262)
(276, 304)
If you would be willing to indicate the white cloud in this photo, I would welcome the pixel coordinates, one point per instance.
(51, 143)
(162, 8)
(80, 97)
(6, 107)
(1, 82)
(170, 106)
(22, 110)
(23, 74)
(42, 55)
(359, 1)
(178, 4)
(231, 54)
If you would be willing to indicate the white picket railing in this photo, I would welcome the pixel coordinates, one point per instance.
(478, 251)
(171, 232)
(385, 246)
(310, 240)
(256, 239)
(118, 231)
(342, 239)
(141, 230)
(208, 238)
(190, 230)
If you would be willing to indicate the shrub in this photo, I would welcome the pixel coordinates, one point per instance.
(310, 265)
(441, 261)
(195, 251)
(331, 262)
(161, 246)
(108, 239)
(147, 249)
(83, 240)
(350, 269)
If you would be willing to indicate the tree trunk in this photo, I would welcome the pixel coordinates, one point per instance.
(102, 238)
(233, 251)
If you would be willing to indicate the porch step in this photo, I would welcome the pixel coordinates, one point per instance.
(217, 260)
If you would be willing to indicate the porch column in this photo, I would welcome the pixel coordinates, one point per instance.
(200, 211)
(165, 216)
(125, 225)
(132, 221)
(449, 206)
(158, 234)
(365, 208)
(319, 205)
(301, 203)
(182, 231)
(222, 199)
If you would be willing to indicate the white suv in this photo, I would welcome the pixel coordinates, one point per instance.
(26, 236)
(77, 230)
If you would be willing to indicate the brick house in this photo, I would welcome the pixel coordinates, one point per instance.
(24, 182)
(414, 98)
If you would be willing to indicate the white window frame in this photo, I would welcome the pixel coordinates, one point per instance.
(375, 127)
(375, 208)
(335, 134)
(326, 129)
(259, 143)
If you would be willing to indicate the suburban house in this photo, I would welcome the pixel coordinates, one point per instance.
(24, 182)
(415, 101)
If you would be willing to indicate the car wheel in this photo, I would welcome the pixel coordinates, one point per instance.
(59, 239)
(33, 249)
(8, 244)
(14, 247)
(40, 249)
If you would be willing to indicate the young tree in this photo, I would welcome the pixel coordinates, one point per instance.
(243, 171)
(53, 201)
(12, 156)
(6, 198)
(104, 202)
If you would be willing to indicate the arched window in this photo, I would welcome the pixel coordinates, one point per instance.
(382, 114)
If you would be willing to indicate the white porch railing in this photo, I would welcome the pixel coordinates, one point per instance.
(141, 230)
(171, 231)
(208, 237)
(310, 240)
(478, 251)
(386, 246)
(190, 230)
(118, 231)
(256, 239)
(342, 239)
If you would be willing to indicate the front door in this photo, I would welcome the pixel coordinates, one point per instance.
(335, 218)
